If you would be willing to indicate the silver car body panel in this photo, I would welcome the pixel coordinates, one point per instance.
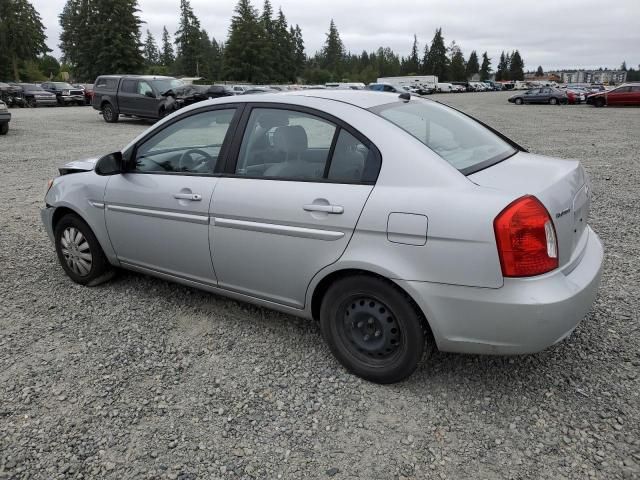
(424, 226)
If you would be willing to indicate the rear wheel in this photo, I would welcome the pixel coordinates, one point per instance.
(79, 252)
(4, 128)
(373, 329)
(109, 114)
(553, 101)
(518, 101)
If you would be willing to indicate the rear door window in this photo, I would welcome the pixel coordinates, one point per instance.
(128, 86)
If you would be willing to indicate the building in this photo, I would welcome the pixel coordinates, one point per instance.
(612, 77)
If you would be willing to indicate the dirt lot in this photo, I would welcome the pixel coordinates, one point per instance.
(140, 378)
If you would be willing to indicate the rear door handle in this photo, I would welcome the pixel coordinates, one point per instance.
(314, 207)
(194, 197)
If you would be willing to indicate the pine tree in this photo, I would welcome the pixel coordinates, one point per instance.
(270, 63)
(485, 68)
(412, 62)
(150, 51)
(101, 36)
(333, 53)
(243, 55)
(166, 55)
(437, 61)
(457, 68)
(425, 59)
(473, 67)
(22, 36)
(284, 50)
(503, 68)
(516, 66)
(188, 40)
(299, 57)
(623, 67)
(539, 71)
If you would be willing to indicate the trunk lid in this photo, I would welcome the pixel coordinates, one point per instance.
(561, 185)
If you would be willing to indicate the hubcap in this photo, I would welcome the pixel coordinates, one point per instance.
(76, 251)
(370, 328)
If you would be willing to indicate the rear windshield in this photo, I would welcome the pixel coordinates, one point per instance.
(464, 143)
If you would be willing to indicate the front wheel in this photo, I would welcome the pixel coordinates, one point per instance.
(4, 128)
(373, 329)
(599, 102)
(518, 101)
(79, 252)
(553, 101)
(31, 103)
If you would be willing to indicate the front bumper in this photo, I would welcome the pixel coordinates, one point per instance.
(72, 98)
(525, 315)
(5, 117)
(45, 101)
(46, 215)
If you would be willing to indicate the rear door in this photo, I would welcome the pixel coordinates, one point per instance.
(619, 96)
(290, 202)
(635, 95)
(127, 96)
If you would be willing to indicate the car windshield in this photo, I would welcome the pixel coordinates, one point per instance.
(464, 143)
(165, 84)
(62, 85)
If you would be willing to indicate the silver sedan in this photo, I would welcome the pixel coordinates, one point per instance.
(400, 224)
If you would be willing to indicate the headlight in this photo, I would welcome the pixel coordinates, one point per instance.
(65, 92)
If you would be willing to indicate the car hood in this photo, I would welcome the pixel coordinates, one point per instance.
(85, 165)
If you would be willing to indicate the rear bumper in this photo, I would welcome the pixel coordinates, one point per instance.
(523, 316)
(5, 117)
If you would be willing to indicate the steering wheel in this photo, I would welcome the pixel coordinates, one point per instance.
(188, 164)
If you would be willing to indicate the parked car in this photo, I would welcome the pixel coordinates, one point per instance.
(5, 118)
(444, 87)
(549, 95)
(88, 93)
(65, 93)
(239, 89)
(399, 223)
(259, 90)
(386, 87)
(36, 96)
(12, 95)
(627, 94)
(147, 96)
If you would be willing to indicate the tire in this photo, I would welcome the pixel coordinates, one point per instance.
(553, 101)
(373, 329)
(109, 113)
(80, 253)
(4, 128)
(599, 102)
(31, 102)
(518, 101)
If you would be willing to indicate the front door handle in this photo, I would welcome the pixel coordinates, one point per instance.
(194, 197)
(316, 207)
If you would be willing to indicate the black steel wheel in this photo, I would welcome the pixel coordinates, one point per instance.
(373, 328)
(109, 113)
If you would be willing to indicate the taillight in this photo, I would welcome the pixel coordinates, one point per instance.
(526, 239)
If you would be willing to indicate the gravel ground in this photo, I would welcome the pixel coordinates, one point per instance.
(140, 378)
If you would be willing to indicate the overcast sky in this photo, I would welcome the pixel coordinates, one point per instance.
(567, 34)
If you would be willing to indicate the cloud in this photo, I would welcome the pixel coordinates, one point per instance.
(569, 34)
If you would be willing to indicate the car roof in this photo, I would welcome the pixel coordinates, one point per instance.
(359, 98)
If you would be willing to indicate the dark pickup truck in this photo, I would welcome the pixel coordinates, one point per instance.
(134, 95)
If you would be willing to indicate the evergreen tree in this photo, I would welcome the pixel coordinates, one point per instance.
(333, 53)
(473, 66)
(284, 47)
(299, 57)
(437, 61)
(503, 68)
(243, 55)
(457, 68)
(22, 36)
(485, 68)
(412, 62)
(539, 71)
(101, 36)
(623, 67)
(425, 59)
(166, 55)
(516, 66)
(270, 63)
(188, 40)
(49, 66)
(150, 51)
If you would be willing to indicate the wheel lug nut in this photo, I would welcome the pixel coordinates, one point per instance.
(366, 338)
(360, 324)
(378, 333)
(371, 321)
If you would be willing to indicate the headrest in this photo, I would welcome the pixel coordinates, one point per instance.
(292, 140)
(273, 118)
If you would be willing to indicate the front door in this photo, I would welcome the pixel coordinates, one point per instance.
(157, 214)
(290, 203)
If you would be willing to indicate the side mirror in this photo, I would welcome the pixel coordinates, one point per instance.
(149, 93)
(110, 164)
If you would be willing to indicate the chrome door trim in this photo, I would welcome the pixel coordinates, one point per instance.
(184, 217)
(288, 230)
(99, 205)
